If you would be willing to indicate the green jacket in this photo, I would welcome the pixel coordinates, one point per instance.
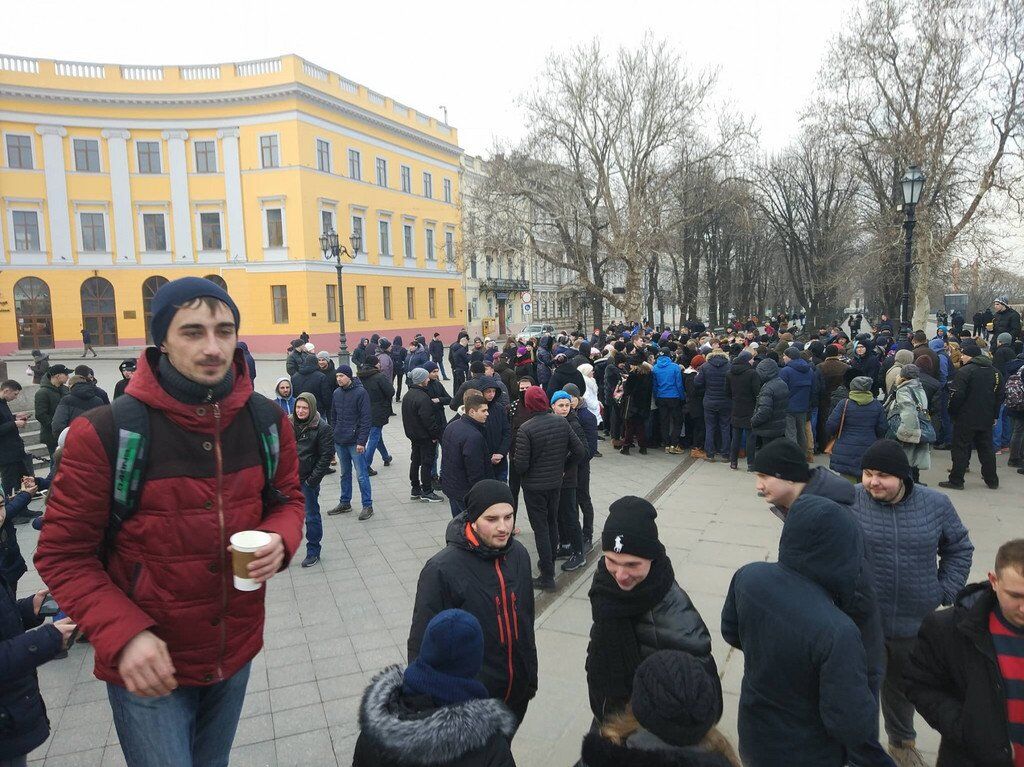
(47, 398)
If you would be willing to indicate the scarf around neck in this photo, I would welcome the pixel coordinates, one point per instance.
(188, 391)
(614, 652)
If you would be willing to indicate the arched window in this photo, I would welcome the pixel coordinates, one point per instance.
(99, 311)
(217, 280)
(149, 289)
(33, 313)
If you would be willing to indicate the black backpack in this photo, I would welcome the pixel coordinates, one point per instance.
(127, 449)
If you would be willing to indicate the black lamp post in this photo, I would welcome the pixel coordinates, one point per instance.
(332, 252)
(913, 183)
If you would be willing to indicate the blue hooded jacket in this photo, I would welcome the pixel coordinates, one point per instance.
(805, 688)
(350, 414)
(668, 379)
(799, 377)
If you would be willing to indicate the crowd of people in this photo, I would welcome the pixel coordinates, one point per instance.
(146, 491)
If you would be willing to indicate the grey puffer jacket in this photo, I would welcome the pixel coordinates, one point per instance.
(902, 541)
(769, 418)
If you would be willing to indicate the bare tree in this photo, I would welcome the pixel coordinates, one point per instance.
(806, 195)
(935, 83)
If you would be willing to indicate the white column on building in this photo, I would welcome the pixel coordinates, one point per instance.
(233, 192)
(56, 191)
(124, 229)
(181, 220)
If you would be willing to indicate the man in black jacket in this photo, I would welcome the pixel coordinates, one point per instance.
(805, 697)
(638, 609)
(436, 350)
(545, 446)
(964, 675)
(464, 451)
(424, 432)
(311, 380)
(459, 356)
(974, 406)
(13, 464)
(565, 372)
(486, 572)
(380, 391)
(1004, 320)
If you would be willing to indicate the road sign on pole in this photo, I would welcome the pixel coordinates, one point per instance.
(527, 298)
(527, 308)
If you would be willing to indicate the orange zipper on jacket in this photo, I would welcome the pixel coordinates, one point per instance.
(224, 566)
(508, 624)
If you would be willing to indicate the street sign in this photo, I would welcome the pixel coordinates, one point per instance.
(527, 298)
(527, 308)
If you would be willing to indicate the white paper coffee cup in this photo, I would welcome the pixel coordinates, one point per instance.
(244, 545)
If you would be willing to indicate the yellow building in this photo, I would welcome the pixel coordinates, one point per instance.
(116, 178)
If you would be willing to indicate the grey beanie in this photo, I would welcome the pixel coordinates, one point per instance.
(1003, 300)
(1004, 338)
(417, 376)
(861, 383)
(323, 355)
(910, 371)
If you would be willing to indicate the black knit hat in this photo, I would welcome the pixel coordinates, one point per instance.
(675, 698)
(970, 349)
(783, 459)
(631, 529)
(888, 457)
(178, 293)
(483, 495)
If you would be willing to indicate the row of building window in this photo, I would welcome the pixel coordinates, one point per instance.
(25, 226)
(269, 157)
(87, 155)
(87, 160)
(279, 302)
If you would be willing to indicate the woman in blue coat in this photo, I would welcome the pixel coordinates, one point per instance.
(858, 422)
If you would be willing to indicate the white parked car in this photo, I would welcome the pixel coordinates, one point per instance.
(535, 330)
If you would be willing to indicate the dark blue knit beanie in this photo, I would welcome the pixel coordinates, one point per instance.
(179, 292)
(451, 654)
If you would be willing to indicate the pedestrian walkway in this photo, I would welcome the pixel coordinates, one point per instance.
(329, 628)
(712, 522)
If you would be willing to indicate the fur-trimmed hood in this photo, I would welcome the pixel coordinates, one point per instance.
(599, 752)
(435, 737)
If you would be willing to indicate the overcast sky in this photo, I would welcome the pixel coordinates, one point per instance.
(475, 58)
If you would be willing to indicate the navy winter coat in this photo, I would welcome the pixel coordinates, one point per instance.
(805, 696)
(712, 380)
(350, 414)
(23, 722)
(589, 423)
(863, 426)
(310, 380)
(668, 379)
(417, 359)
(903, 540)
(460, 358)
(799, 377)
(464, 457)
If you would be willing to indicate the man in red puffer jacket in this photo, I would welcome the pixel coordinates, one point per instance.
(173, 637)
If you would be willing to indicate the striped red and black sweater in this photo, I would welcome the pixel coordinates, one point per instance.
(956, 683)
(1008, 641)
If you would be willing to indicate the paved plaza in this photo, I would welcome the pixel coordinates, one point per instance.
(330, 628)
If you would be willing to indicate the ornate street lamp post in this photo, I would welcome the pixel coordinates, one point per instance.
(913, 183)
(332, 252)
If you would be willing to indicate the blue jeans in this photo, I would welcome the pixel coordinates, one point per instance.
(375, 443)
(191, 727)
(1002, 430)
(314, 522)
(347, 457)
